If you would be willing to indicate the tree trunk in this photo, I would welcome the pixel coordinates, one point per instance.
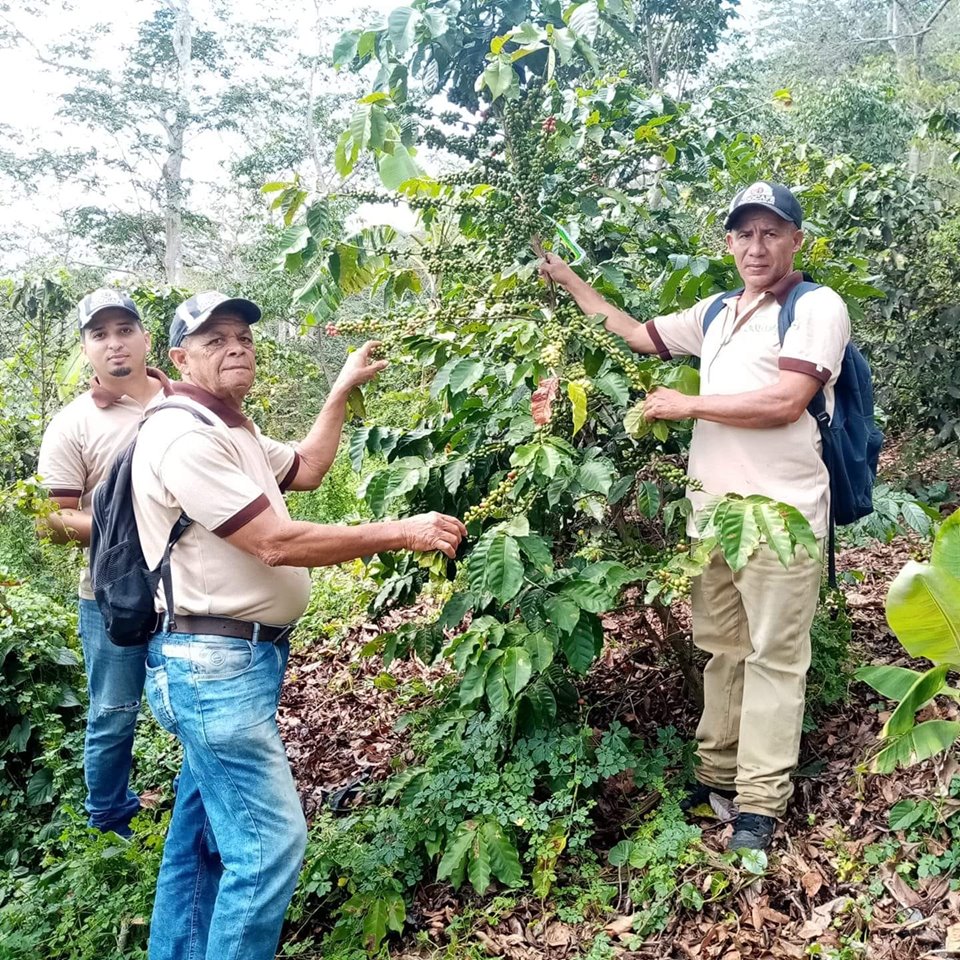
(176, 128)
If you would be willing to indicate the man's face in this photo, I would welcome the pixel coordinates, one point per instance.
(115, 344)
(763, 247)
(219, 357)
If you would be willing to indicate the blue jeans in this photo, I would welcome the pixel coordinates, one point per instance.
(115, 681)
(219, 696)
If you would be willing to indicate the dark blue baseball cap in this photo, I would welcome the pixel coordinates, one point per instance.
(774, 197)
(105, 298)
(192, 314)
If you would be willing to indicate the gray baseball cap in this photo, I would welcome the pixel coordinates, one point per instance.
(192, 314)
(105, 298)
(774, 197)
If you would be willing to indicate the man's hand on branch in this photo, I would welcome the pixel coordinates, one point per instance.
(557, 270)
(360, 367)
(433, 531)
(662, 403)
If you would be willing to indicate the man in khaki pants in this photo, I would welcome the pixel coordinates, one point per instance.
(753, 435)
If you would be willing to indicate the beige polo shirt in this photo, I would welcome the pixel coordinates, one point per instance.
(221, 476)
(82, 441)
(743, 353)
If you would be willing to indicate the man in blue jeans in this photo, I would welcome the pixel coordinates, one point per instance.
(79, 445)
(238, 583)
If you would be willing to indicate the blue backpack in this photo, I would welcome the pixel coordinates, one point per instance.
(850, 438)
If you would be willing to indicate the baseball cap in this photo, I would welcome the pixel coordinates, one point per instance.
(103, 299)
(192, 314)
(771, 196)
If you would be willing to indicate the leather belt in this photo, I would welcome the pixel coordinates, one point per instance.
(225, 627)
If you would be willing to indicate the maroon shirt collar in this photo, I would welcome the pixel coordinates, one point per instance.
(230, 416)
(104, 398)
(781, 289)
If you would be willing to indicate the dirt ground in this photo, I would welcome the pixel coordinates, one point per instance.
(339, 729)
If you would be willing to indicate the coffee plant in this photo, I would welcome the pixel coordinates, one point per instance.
(533, 429)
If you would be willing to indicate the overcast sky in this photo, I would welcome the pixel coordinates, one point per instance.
(31, 92)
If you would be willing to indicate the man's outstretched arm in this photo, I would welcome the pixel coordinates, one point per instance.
(590, 302)
(781, 403)
(319, 448)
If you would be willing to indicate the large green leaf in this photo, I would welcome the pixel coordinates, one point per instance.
(537, 551)
(922, 742)
(595, 476)
(648, 498)
(615, 386)
(682, 377)
(478, 862)
(584, 20)
(563, 611)
(345, 49)
(800, 530)
(504, 859)
(401, 25)
(384, 912)
(774, 531)
(923, 690)
(890, 682)
(517, 668)
(499, 76)
(895, 682)
(540, 650)
(634, 422)
(497, 689)
(495, 567)
(541, 702)
(397, 167)
(578, 401)
(946, 546)
(454, 860)
(459, 374)
(739, 533)
(40, 787)
(923, 610)
(583, 643)
(586, 595)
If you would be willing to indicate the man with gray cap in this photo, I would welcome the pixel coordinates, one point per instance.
(753, 435)
(215, 665)
(79, 445)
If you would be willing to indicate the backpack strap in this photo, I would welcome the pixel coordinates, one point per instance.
(789, 308)
(183, 521)
(817, 408)
(717, 307)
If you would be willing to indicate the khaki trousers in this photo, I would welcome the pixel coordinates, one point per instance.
(755, 624)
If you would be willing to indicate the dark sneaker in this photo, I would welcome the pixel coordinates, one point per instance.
(698, 795)
(752, 831)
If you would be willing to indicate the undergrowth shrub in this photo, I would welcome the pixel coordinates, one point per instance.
(510, 812)
(41, 691)
(91, 895)
(832, 662)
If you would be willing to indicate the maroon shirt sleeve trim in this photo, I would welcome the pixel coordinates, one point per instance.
(242, 517)
(662, 352)
(54, 493)
(822, 374)
(291, 473)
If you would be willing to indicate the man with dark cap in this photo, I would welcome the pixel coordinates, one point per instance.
(79, 445)
(216, 663)
(753, 435)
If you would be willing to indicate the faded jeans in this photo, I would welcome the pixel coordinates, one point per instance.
(219, 696)
(115, 681)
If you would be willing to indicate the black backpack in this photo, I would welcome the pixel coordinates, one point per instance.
(123, 585)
